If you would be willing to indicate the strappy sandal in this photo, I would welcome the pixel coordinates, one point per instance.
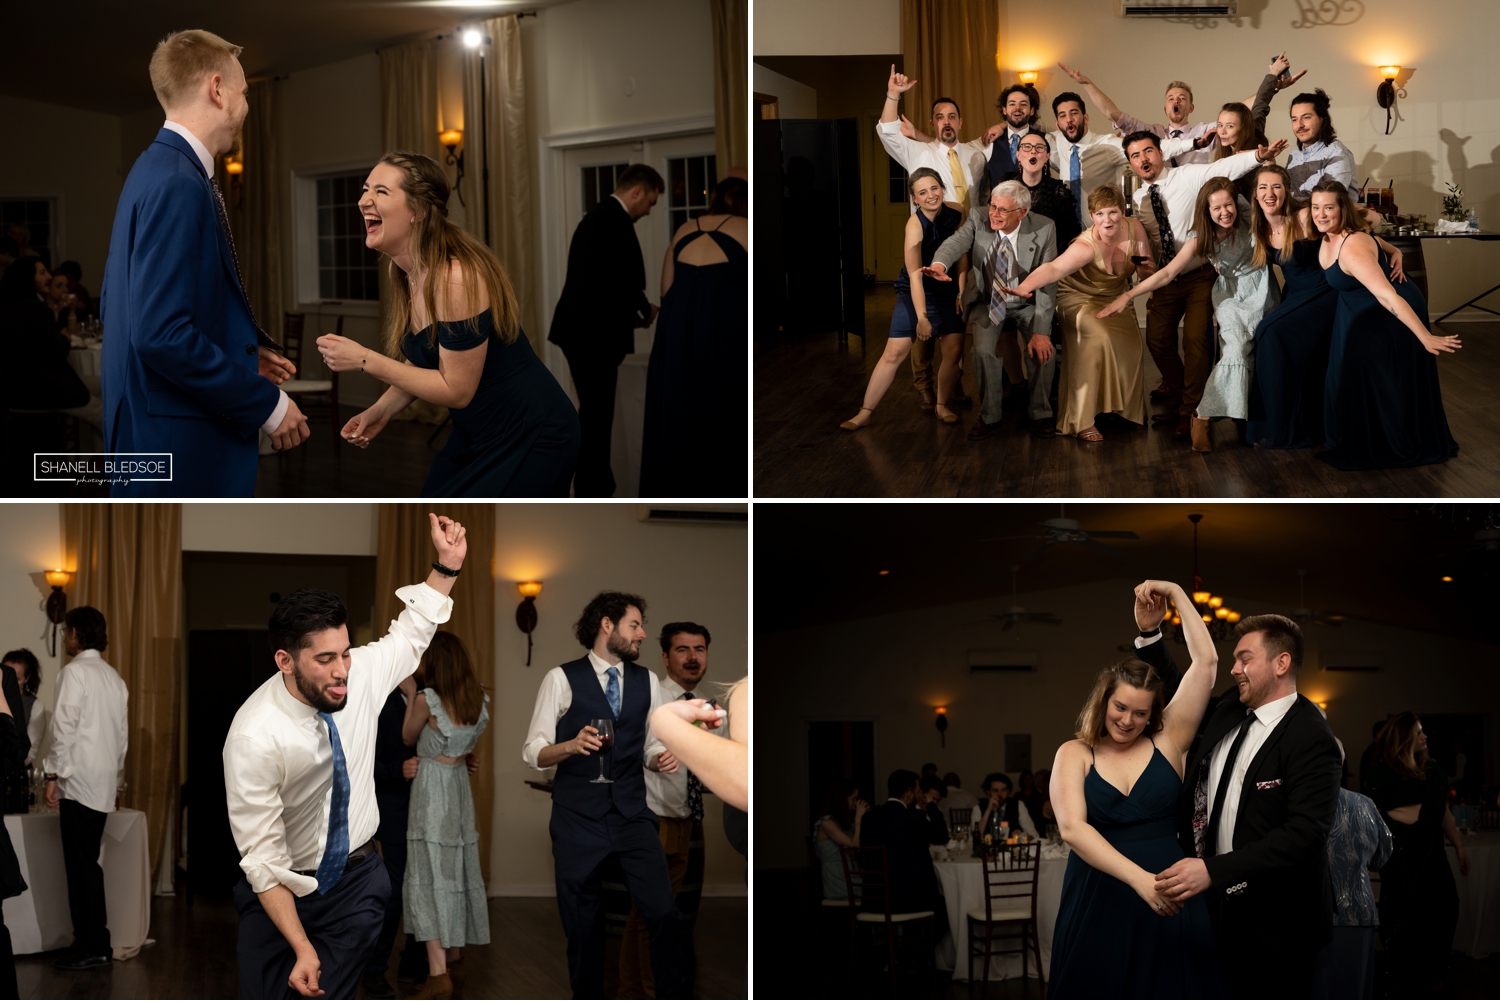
(1091, 434)
(850, 425)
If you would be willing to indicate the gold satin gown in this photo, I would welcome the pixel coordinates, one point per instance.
(1103, 361)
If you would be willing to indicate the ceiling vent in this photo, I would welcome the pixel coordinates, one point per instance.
(694, 514)
(1177, 8)
(1002, 660)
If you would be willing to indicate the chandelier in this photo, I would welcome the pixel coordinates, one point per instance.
(1208, 606)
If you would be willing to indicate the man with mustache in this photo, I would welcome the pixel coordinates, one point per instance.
(599, 805)
(186, 368)
(677, 800)
(300, 784)
(1017, 105)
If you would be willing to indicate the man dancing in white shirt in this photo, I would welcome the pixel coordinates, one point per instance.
(301, 789)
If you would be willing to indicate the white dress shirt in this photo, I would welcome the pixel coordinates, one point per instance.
(1022, 814)
(278, 761)
(555, 698)
(1129, 123)
(1101, 160)
(89, 733)
(1179, 193)
(667, 795)
(1266, 718)
(207, 159)
(913, 155)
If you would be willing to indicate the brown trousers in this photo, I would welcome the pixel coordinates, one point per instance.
(677, 837)
(1186, 300)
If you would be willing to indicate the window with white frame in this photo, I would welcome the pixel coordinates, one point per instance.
(333, 265)
(690, 187)
(599, 183)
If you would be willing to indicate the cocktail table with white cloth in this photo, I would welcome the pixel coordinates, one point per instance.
(1478, 931)
(963, 890)
(88, 362)
(38, 919)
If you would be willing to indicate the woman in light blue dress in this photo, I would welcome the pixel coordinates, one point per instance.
(443, 892)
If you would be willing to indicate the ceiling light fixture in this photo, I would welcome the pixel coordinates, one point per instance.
(1207, 605)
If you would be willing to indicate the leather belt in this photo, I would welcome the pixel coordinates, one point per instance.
(356, 857)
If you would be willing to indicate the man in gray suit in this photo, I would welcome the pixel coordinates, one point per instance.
(1005, 243)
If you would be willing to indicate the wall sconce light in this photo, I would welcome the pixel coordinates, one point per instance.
(57, 604)
(942, 725)
(1385, 94)
(1027, 76)
(450, 139)
(235, 169)
(526, 611)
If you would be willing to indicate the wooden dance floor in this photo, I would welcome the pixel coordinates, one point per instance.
(803, 391)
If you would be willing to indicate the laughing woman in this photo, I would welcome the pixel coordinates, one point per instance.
(454, 317)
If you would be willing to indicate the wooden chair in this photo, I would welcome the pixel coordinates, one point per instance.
(1009, 911)
(1489, 818)
(316, 398)
(959, 819)
(868, 881)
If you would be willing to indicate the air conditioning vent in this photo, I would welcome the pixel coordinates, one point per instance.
(1002, 660)
(701, 514)
(1177, 8)
(1350, 660)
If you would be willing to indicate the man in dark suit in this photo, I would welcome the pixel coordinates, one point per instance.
(905, 826)
(1260, 789)
(602, 305)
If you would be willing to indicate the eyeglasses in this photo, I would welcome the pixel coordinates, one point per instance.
(1031, 148)
(996, 208)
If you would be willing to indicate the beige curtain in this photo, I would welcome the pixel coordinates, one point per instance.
(260, 210)
(128, 558)
(731, 102)
(506, 134)
(951, 48)
(405, 556)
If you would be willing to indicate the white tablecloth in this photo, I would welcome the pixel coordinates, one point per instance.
(1478, 931)
(88, 363)
(963, 890)
(38, 919)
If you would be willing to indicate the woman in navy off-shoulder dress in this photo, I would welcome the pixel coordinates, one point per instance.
(1115, 791)
(454, 316)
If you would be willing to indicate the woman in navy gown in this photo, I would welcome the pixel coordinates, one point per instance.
(1382, 406)
(698, 356)
(454, 316)
(1115, 790)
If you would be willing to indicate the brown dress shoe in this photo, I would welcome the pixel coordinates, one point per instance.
(440, 986)
(1043, 427)
(1167, 417)
(1202, 440)
(929, 401)
(981, 430)
(1184, 429)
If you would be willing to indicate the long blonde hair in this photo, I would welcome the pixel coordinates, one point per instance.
(1397, 743)
(1260, 223)
(435, 241)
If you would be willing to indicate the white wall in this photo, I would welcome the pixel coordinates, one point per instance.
(795, 100)
(827, 27)
(73, 156)
(685, 572)
(897, 669)
(321, 529)
(30, 542)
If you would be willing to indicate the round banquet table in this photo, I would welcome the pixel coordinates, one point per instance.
(1478, 931)
(38, 919)
(963, 890)
(88, 363)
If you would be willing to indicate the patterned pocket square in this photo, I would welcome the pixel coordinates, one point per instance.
(1268, 785)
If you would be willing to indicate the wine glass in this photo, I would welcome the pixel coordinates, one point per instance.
(606, 728)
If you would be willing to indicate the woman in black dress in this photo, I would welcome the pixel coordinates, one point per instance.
(698, 355)
(455, 318)
(1418, 898)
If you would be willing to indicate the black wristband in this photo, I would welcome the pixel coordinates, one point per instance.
(1147, 634)
(444, 570)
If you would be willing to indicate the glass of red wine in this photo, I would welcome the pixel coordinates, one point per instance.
(606, 728)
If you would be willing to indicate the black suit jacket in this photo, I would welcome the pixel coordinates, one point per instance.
(12, 689)
(906, 832)
(11, 882)
(1274, 886)
(604, 295)
(392, 789)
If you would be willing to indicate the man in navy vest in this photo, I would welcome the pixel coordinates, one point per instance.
(593, 820)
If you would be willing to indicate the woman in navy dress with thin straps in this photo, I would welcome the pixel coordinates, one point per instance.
(454, 316)
(1115, 790)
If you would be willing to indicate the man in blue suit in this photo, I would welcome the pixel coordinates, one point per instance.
(186, 368)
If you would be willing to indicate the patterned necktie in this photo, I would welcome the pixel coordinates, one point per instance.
(1015, 144)
(1164, 229)
(1001, 272)
(336, 849)
(1076, 186)
(265, 338)
(1211, 836)
(612, 691)
(694, 788)
(960, 189)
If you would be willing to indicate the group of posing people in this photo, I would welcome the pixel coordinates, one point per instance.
(1018, 226)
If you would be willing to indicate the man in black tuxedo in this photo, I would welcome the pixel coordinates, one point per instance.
(603, 303)
(906, 824)
(1260, 789)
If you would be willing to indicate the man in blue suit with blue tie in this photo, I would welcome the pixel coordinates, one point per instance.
(186, 369)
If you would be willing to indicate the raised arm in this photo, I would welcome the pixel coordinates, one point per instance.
(1183, 714)
(1076, 256)
(1357, 259)
(1174, 267)
(416, 718)
(897, 85)
(1111, 109)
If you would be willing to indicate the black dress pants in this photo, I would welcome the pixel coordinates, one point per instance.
(342, 925)
(82, 830)
(594, 380)
(414, 956)
(580, 846)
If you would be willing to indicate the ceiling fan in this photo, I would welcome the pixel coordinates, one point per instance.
(1015, 614)
(1065, 529)
(1304, 614)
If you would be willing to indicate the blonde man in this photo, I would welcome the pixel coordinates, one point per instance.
(187, 371)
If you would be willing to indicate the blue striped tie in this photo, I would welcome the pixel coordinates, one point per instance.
(1015, 144)
(336, 849)
(1076, 186)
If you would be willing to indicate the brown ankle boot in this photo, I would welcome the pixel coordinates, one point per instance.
(1202, 440)
(439, 986)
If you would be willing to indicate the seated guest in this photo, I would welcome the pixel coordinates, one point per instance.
(1319, 155)
(1049, 196)
(932, 793)
(1007, 244)
(905, 831)
(1103, 362)
(1383, 405)
(81, 298)
(1358, 842)
(37, 374)
(65, 311)
(842, 814)
(929, 769)
(956, 798)
(1002, 808)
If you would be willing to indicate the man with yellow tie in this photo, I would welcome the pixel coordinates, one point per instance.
(961, 166)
